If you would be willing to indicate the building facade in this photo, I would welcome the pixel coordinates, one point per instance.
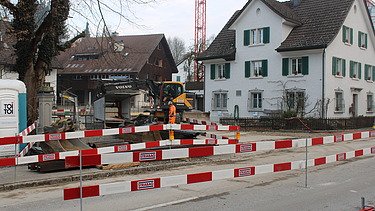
(302, 57)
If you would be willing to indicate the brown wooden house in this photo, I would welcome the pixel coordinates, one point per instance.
(94, 58)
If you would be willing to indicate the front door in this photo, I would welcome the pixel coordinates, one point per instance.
(355, 105)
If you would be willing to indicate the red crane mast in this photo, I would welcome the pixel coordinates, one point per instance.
(200, 37)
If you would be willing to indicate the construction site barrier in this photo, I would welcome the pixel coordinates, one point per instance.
(161, 182)
(7, 162)
(206, 151)
(114, 131)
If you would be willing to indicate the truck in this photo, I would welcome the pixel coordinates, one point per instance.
(160, 92)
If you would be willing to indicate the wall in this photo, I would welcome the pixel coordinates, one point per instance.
(359, 21)
(271, 85)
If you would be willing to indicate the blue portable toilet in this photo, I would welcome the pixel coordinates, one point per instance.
(13, 113)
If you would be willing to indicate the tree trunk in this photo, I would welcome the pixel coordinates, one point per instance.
(32, 94)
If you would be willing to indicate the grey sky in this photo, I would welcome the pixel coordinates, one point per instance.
(171, 17)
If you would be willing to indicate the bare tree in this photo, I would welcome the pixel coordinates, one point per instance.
(40, 29)
(178, 49)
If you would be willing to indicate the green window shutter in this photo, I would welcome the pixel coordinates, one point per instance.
(359, 39)
(343, 33)
(343, 67)
(351, 36)
(285, 66)
(213, 71)
(360, 71)
(264, 68)
(334, 67)
(305, 65)
(367, 67)
(247, 69)
(227, 70)
(365, 40)
(373, 73)
(351, 69)
(266, 35)
(246, 38)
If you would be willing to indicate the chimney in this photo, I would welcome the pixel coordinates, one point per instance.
(296, 3)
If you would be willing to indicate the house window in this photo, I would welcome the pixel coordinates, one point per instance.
(347, 35)
(339, 102)
(338, 66)
(256, 68)
(369, 74)
(220, 100)
(295, 101)
(257, 36)
(355, 70)
(295, 66)
(220, 71)
(256, 100)
(370, 103)
(178, 78)
(362, 40)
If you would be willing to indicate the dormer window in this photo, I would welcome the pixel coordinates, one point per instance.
(88, 56)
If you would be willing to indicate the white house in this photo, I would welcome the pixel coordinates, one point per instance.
(311, 57)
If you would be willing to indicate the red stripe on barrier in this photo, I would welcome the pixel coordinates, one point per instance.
(126, 130)
(341, 156)
(7, 162)
(232, 128)
(200, 177)
(87, 160)
(357, 136)
(152, 144)
(74, 193)
(54, 136)
(358, 153)
(145, 156)
(243, 148)
(211, 127)
(146, 184)
(156, 127)
(282, 167)
(90, 151)
(320, 161)
(283, 144)
(244, 172)
(48, 157)
(233, 141)
(122, 148)
(93, 133)
(10, 140)
(201, 151)
(317, 141)
(339, 138)
(187, 127)
(187, 142)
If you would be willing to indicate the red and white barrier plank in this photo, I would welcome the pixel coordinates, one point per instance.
(113, 149)
(158, 155)
(161, 182)
(26, 132)
(115, 131)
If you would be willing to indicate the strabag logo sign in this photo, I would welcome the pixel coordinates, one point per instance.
(7, 108)
(246, 148)
(146, 184)
(244, 172)
(49, 157)
(147, 156)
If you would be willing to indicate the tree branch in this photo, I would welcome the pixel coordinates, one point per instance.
(69, 43)
(11, 7)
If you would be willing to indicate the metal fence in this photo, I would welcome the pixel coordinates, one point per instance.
(299, 123)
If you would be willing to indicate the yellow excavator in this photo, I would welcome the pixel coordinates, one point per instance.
(161, 93)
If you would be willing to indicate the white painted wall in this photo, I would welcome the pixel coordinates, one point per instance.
(182, 73)
(359, 21)
(272, 90)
